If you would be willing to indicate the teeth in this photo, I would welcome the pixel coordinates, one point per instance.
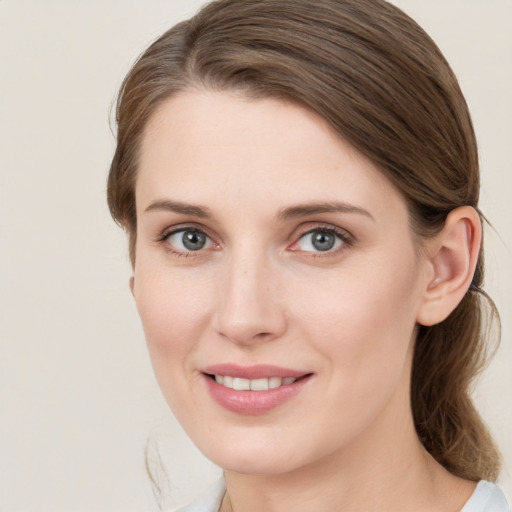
(274, 382)
(259, 385)
(239, 384)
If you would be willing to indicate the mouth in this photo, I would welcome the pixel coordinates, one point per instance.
(252, 390)
(261, 384)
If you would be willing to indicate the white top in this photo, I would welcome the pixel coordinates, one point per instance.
(487, 497)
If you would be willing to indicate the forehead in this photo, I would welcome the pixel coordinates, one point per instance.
(202, 146)
(215, 120)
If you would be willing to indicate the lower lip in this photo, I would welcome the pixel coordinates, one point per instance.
(253, 402)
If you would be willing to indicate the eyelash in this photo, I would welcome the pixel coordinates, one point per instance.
(164, 239)
(343, 236)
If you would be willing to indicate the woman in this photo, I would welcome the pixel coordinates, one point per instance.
(299, 183)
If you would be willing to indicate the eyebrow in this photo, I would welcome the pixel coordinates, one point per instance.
(289, 213)
(303, 210)
(177, 207)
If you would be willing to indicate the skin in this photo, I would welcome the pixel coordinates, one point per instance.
(260, 293)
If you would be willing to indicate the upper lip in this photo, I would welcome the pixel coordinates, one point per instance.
(258, 371)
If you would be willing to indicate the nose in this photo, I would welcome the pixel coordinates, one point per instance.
(249, 306)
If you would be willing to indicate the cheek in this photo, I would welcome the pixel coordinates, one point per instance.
(174, 313)
(363, 322)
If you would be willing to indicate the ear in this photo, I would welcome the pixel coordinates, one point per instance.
(452, 257)
(132, 285)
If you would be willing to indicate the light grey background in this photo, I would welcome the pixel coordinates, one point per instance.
(78, 400)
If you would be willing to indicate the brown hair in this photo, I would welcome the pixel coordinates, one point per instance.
(382, 83)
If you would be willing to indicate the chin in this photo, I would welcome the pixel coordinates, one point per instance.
(250, 464)
(254, 457)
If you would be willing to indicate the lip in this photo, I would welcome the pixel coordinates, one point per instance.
(253, 403)
(258, 371)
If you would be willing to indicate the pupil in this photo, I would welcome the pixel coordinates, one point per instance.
(323, 241)
(193, 240)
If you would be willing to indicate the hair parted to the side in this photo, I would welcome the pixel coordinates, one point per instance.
(384, 86)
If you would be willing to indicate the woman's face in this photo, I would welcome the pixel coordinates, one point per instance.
(273, 255)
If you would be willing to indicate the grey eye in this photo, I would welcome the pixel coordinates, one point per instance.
(323, 241)
(189, 240)
(319, 241)
(193, 240)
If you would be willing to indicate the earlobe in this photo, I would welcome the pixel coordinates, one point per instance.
(452, 256)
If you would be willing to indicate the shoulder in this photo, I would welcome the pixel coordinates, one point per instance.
(488, 497)
(209, 501)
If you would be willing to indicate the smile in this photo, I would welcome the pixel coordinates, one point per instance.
(263, 384)
(253, 390)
